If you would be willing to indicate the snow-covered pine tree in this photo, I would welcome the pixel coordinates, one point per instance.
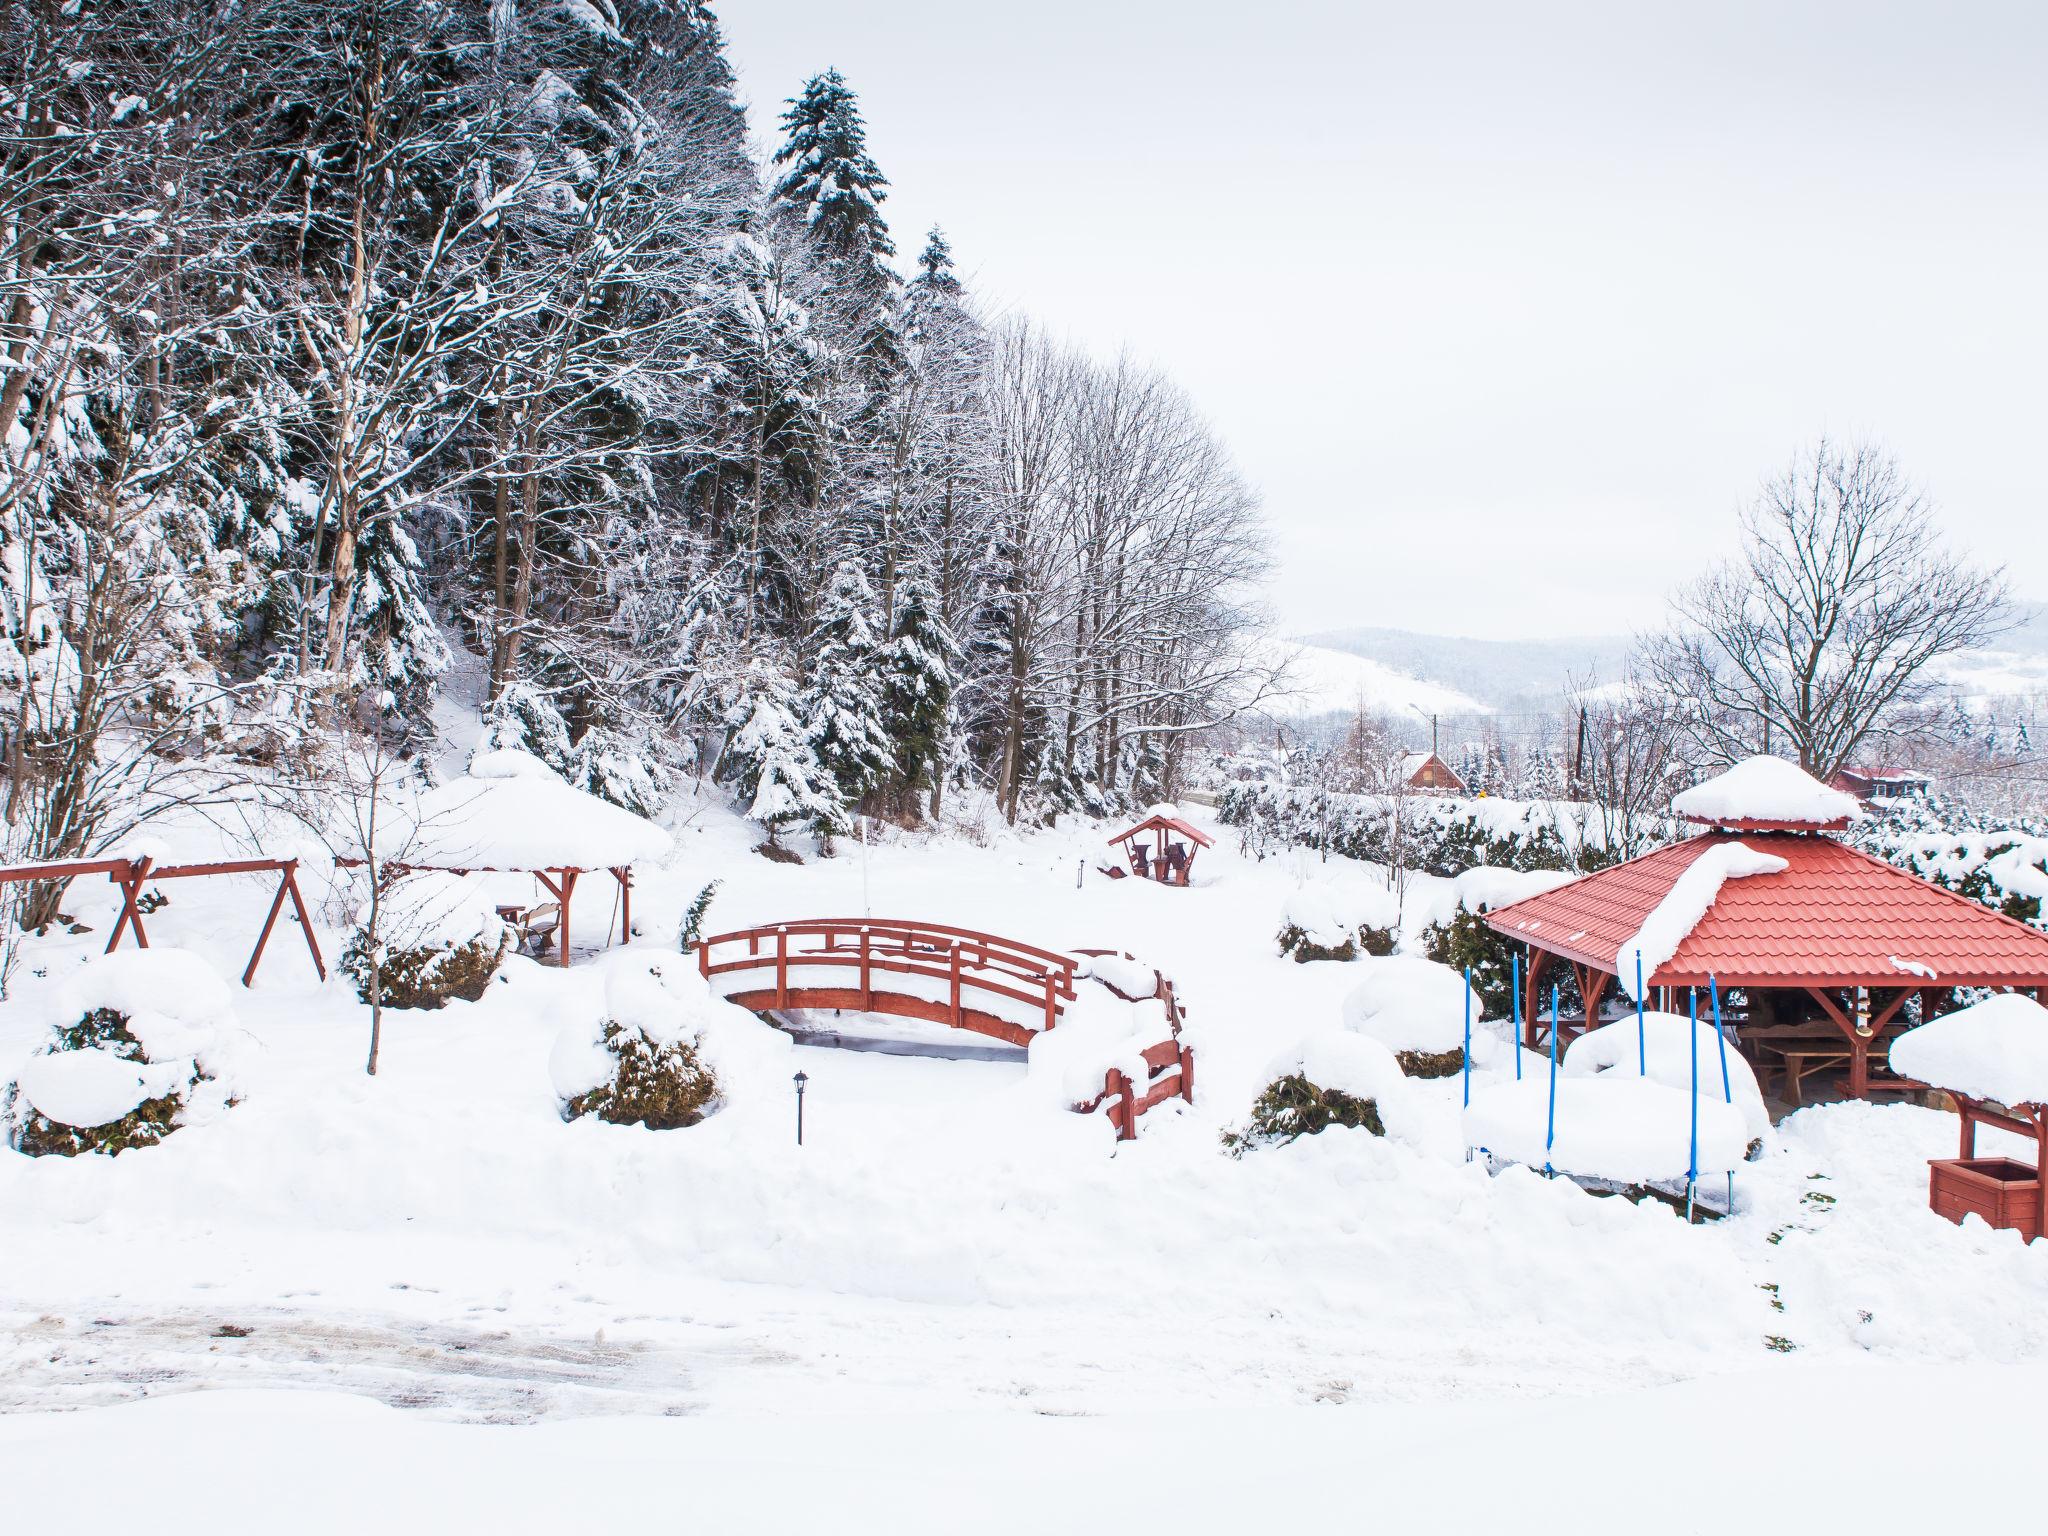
(834, 191)
(919, 665)
(773, 770)
(842, 704)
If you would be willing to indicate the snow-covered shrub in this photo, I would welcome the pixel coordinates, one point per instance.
(1463, 939)
(140, 1044)
(442, 940)
(1416, 1009)
(524, 718)
(1617, 1050)
(1331, 1078)
(1437, 837)
(1325, 922)
(639, 1065)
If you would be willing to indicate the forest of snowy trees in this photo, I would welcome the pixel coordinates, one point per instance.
(336, 334)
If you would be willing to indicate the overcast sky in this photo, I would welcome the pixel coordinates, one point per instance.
(1504, 308)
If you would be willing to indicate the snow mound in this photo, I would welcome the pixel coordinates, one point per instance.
(1996, 1049)
(1616, 1049)
(511, 763)
(93, 1086)
(666, 1000)
(1120, 973)
(1633, 1130)
(1409, 1004)
(1097, 1031)
(1690, 898)
(1331, 915)
(527, 821)
(176, 1004)
(431, 909)
(1766, 789)
(1337, 1059)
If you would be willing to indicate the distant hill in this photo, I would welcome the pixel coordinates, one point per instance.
(1500, 674)
(1396, 669)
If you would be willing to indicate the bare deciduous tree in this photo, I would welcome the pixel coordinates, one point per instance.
(1819, 638)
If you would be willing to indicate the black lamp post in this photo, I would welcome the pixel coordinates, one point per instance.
(801, 1079)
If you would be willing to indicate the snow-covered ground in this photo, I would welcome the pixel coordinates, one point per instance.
(953, 1307)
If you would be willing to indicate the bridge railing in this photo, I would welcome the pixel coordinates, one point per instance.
(969, 966)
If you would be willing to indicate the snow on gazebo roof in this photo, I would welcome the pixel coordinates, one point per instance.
(1767, 794)
(1996, 1049)
(510, 817)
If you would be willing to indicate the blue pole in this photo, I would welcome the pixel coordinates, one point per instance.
(1727, 1088)
(1550, 1124)
(1516, 957)
(1468, 1036)
(1692, 1167)
(1642, 1051)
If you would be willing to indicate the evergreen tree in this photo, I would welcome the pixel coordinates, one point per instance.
(918, 667)
(769, 761)
(830, 178)
(842, 704)
(935, 278)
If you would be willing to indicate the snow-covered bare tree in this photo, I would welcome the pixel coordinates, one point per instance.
(1822, 635)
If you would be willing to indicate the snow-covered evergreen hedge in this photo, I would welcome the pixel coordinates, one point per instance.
(1435, 836)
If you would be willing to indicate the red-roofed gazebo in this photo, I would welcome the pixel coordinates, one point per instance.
(1168, 861)
(1825, 951)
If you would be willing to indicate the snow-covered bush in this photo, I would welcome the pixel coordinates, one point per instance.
(140, 1044)
(442, 940)
(1323, 922)
(1330, 1078)
(641, 1064)
(1416, 1009)
(1437, 837)
(1661, 1053)
(1462, 938)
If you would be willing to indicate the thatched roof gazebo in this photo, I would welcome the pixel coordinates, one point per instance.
(1829, 952)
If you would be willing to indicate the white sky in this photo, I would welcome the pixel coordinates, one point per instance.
(1505, 308)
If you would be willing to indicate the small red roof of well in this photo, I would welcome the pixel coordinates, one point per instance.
(1170, 823)
(1834, 915)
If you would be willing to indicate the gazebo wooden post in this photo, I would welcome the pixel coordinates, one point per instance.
(1592, 988)
(623, 873)
(1859, 1043)
(1532, 984)
(568, 889)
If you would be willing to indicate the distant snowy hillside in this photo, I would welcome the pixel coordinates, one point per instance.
(1323, 681)
(1509, 675)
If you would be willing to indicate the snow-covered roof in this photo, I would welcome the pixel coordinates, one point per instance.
(1766, 791)
(527, 821)
(1996, 1049)
(1691, 897)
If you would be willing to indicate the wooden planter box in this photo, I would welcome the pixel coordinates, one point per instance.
(2006, 1193)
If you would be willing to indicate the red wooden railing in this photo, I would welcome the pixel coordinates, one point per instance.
(1170, 1065)
(974, 967)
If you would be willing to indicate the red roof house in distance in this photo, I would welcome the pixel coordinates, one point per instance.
(1425, 770)
(1817, 948)
(1883, 785)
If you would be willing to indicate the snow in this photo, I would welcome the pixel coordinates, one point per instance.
(1330, 914)
(93, 1086)
(916, 1305)
(1691, 897)
(1321, 681)
(1766, 789)
(511, 763)
(1632, 1130)
(525, 821)
(1409, 1004)
(432, 909)
(1619, 1050)
(1996, 1049)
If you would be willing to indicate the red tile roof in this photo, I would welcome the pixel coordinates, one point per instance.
(1833, 916)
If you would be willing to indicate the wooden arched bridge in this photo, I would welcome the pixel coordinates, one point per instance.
(951, 976)
(945, 975)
